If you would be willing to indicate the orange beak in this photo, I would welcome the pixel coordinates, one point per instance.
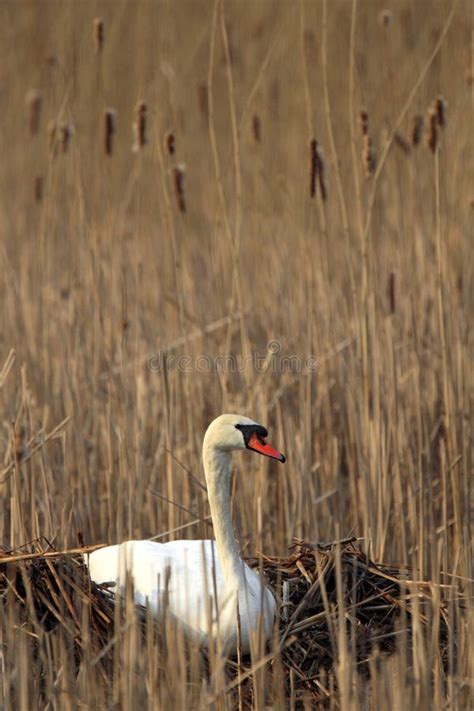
(259, 445)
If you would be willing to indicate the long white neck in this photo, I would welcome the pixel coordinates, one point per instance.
(217, 471)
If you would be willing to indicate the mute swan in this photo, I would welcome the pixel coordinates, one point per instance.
(190, 573)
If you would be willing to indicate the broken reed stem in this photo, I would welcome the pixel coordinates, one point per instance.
(99, 34)
(140, 126)
(317, 171)
(110, 128)
(179, 176)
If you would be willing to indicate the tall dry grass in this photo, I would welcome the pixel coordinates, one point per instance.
(203, 239)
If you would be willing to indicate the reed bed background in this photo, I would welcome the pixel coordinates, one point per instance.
(285, 184)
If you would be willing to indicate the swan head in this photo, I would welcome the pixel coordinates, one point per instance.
(232, 432)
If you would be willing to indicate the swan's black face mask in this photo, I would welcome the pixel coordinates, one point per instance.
(255, 438)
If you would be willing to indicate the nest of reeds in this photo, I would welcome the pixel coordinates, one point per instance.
(317, 586)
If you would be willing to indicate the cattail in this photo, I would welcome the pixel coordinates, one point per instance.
(39, 188)
(257, 128)
(179, 175)
(110, 126)
(440, 104)
(66, 132)
(432, 135)
(417, 129)
(391, 292)
(34, 101)
(139, 127)
(170, 143)
(402, 143)
(99, 34)
(368, 153)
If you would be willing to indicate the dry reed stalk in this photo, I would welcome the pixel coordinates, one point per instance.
(110, 129)
(99, 34)
(417, 129)
(34, 102)
(203, 100)
(140, 126)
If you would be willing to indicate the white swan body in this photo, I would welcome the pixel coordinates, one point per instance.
(201, 583)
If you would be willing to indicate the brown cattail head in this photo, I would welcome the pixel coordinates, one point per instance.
(432, 133)
(441, 105)
(139, 126)
(39, 188)
(417, 129)
(99, 34)
(66, 132)
(34, 101)
(179, 176)
(256, 128)
(170, 143)
(391, 293)
(110, 128)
